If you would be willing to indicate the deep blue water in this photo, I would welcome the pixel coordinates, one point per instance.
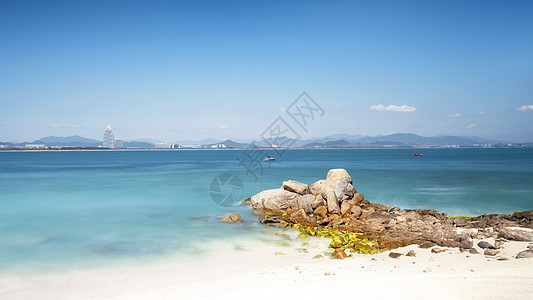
(78, 209)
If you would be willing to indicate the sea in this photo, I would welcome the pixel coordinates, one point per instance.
(70, 210)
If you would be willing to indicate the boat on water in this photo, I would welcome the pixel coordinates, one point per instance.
(268, 158)
(418, 154)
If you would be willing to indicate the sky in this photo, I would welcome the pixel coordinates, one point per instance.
(170, 70)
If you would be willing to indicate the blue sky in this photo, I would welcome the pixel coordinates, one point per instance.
(172, 70)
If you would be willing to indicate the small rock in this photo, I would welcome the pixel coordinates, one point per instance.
(530, 246)
(427, 270)
(302, 250)
(280, 253)
(247, 201)
(491, 252)
(321, 211)
(426, 245)
(318, 256)
(395, 255)
(329, 274)
(339, 254)
(473, 251)
(437, 250)
(302, 236)
(502, 258)
(411, 253)
(525, 254)
(485, 245)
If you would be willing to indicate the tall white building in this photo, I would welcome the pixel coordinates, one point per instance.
(109, 138)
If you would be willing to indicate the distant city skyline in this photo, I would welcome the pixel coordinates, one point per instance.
(172, 71)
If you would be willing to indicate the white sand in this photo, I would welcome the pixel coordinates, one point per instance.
(258, 273)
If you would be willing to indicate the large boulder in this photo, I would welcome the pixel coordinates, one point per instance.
(344, 190)
(305, 202)
(333, 203)
(316, 187)
(295, 187)
(333, 178)
(273, 202)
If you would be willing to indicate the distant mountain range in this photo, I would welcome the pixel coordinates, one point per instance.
(331, 141)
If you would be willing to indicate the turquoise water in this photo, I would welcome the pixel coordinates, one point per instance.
(84, 209)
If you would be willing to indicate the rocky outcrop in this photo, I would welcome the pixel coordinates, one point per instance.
(333, 208)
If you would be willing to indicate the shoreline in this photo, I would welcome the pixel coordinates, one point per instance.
(259, 270)
(260, 148)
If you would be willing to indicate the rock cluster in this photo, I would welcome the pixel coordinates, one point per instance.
(333, 208)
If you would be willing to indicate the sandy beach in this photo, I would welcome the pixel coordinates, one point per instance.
(242, 269)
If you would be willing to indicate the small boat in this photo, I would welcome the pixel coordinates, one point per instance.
(417, 154)
(268, 158)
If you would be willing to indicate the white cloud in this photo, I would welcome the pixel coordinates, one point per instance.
(443, 124)
(64, 126)
(222, 127)
(457, 115)
(470, 126)
(6, 124)
(525, 108)
(403, 108)
(481, 113)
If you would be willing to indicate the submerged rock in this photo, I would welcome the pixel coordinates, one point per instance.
(235, 217)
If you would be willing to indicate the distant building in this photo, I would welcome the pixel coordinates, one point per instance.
(163, 145)
(109, 138)
(218, 146)
(35, 146)
(119, 143)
